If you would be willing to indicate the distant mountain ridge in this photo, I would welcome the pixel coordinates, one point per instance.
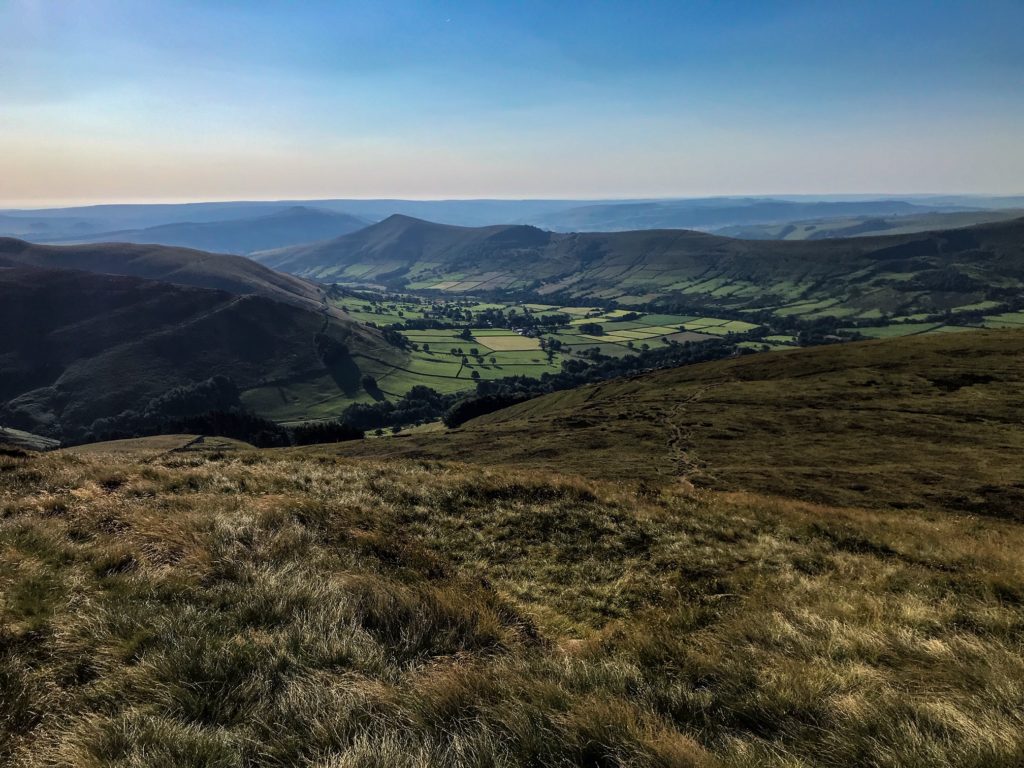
(866, 226)
(400, 240)
(712, 214)
(912, 272)
(298, 224)
(559, 214)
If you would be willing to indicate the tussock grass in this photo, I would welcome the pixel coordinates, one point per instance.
(270, 609)
(913, 423)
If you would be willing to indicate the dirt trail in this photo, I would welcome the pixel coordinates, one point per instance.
(685, 465)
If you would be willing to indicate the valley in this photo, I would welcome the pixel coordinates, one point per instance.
(590, 312)
(511, 385)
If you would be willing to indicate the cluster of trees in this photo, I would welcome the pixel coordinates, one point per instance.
(576, 372)
(446, 316)
(210, 407)
(420, 404)
(471, 407)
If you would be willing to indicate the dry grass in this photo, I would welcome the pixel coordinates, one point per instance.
(920, 422)
(267, 609)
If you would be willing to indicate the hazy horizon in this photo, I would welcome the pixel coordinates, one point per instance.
(106, 101)
(823, 197)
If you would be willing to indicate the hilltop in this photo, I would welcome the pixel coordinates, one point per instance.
(291, 226)
(393, 249)
(852, 277)
(182, 266)
(924, 421)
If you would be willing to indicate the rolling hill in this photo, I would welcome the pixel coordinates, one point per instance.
(234, 274)
(895, 418)
(89, 346)
(292, 226)
(865, 226)
(391, 250)
(851, 277)
(713, 213)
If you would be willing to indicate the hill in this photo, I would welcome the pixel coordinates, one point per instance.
(865, 226)
(243, 608)
(222, 272)
(392, 250)
(89, 346)
(712, 213)
(864, 277)
(291, 226)
(880, 423)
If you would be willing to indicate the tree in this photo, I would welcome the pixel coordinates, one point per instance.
(310, 433)
(426, 347)
(475, 375)
(370, 385)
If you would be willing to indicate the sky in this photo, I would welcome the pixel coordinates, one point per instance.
(153, 100)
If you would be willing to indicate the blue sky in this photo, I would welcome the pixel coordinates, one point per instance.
(104, 100)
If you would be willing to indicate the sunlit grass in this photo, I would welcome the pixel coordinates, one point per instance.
(241, 608)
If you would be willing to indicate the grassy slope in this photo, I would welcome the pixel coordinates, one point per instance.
(94, 345)
(267, 609)
(19, 439)
(143, 447)
(895, 419)
(183, 266)
(865, 226)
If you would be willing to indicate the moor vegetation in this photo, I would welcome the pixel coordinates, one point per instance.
(916, 422)
(234, 608)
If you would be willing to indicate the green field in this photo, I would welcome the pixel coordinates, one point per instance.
(445, 361)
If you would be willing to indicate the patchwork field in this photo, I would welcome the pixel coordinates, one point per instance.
(488, 340)
(445, 360)
(511, 342)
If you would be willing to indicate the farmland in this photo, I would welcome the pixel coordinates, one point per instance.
(479, 304)
(453, 343)
(536, 341)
